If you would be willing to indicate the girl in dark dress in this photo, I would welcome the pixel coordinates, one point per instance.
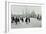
(26, 20)
(39, 17)
(12, 19)
(22, 19)
(16, 20)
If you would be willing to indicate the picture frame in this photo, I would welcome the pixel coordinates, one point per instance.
(8, 16)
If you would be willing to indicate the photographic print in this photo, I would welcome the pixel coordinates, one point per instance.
(25, 16)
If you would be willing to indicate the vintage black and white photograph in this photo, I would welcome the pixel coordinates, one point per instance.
(25, 16)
